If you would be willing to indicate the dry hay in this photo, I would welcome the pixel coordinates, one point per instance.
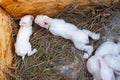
(55, 51)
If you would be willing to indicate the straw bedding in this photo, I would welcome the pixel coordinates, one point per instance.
(55, 51)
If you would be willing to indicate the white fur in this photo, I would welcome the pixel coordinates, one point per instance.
(97, 67)
(22, 45)
(93, 67)
(113, 62)
(108, 47)
(69, 31)
(109, 58)
(106, 72)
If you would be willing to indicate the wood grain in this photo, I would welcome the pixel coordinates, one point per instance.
(6, 45)
(19, 8)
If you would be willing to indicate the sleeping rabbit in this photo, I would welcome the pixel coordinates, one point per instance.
(22, 45)
(97, 67)
(59, 27)
(105, 60)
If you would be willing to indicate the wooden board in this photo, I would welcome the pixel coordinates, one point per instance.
(6, 45)
(18, 8)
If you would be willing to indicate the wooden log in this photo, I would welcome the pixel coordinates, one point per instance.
(18, 8)
(6, 45)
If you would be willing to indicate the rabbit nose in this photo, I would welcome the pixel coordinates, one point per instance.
(22, 23)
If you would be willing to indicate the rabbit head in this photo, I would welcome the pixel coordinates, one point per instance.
(43, 21)
(26, 20)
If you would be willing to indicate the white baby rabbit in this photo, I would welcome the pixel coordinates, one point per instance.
(113, 62)
(66, 30)
(93, 67)
(107, 47)
(22, 45)
(106, 72)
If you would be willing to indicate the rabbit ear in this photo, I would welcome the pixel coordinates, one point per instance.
(102, 63)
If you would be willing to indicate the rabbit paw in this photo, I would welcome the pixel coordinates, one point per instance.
(96, 36)
(85, 56)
